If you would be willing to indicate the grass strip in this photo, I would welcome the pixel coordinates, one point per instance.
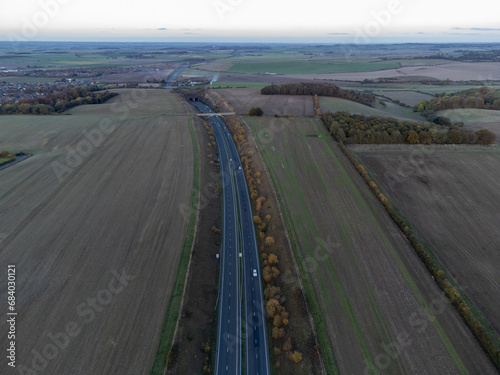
(314, 308)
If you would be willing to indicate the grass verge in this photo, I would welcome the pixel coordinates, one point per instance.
(6, 160)
(172, 314)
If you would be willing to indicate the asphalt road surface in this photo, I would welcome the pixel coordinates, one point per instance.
(238, 236)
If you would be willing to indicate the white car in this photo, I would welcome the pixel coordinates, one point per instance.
(254, 272)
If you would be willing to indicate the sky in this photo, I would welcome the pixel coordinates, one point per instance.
(312, 21)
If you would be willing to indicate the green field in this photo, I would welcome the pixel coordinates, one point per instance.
(389, 109)
(5, 160)
(438, 89)
(218, 84)
(300, 67)
(364, 284)
(51, 61)
(408, 97)
(475, 119)
(267, 57)
(470, 116)
(28, 79)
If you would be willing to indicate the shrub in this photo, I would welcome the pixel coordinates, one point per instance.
(255, 111)
(485, 137)
(269, 241)
(296, 356)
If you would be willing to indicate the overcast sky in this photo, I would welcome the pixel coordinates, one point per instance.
(349, 21)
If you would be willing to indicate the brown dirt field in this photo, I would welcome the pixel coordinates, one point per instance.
(244, 99)
(450, 197)
(371, 289)
(153, 102)
(196, 323)
(116, 211)
(458, 71)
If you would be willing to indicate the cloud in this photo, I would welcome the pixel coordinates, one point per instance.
(460, 33)
(188, 33)
(475, 28)
(162, 28)
(422, 33)
(338, 33)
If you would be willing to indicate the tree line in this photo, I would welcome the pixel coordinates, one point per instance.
(275, 297)
(319, 89)
(360, 129)
(482, 98)
(58, 102)
(474, 56)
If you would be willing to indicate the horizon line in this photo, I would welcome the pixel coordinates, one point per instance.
(250, 42)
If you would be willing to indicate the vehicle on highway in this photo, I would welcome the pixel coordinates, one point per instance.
(254, 272)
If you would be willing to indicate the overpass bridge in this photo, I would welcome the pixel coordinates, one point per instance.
(215, 114)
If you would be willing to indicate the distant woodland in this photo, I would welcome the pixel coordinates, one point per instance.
(348, 128)
(320, 90)
(57, 102)
(482, 98)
